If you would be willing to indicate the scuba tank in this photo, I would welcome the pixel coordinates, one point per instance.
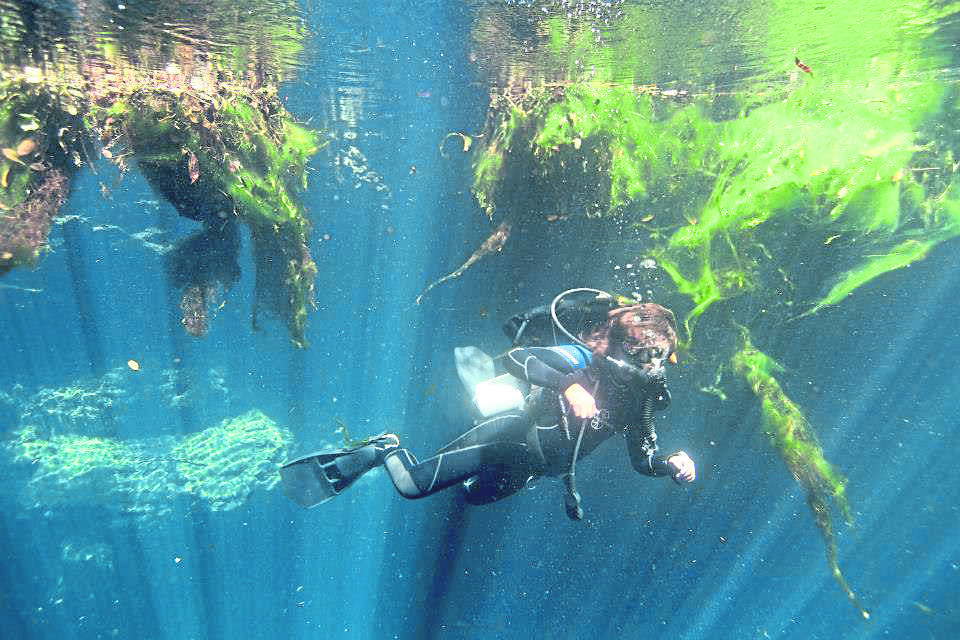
(546, 325)
(491, 394)
(541, 326)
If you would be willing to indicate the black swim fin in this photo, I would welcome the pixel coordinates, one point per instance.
(318, 477)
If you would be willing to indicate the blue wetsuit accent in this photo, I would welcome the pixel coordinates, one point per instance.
(578, 357)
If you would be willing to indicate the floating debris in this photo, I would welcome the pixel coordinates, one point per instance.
(493, 244)
(26, 147)
(193, 167)
(12, 156)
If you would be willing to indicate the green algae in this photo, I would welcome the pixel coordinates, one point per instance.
(799, 448)
(34, 171)
(843, 148)
(219, 467)
(833, 159)
(205, 125)
(70, 469)
(223, 465)
(244, 160)
(778, 199)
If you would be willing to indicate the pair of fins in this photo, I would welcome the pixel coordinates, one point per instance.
(318, 477)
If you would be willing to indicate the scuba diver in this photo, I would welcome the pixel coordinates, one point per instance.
(554, 406)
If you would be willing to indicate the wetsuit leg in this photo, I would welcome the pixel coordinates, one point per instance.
(495, 483)
(495, 444)
(503, 427)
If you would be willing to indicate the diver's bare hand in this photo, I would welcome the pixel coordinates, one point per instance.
(686, 469)
(583, 404)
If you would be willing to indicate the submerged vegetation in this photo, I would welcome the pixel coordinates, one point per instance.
(821, 175)
(219, 466)
(763, 202)
(69, 441)
(198, 113)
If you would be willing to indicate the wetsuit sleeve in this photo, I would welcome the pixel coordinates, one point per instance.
(552, 367)
(642, 444)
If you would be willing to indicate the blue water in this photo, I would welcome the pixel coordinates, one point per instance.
(734, 556)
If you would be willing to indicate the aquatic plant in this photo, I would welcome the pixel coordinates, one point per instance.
(71, 469)
(834, 161)
(99, 405)
(200, 118)
(83, 407)
(797, 444)
(218, 159)
(219, 467)
(34, 173)
(223, 465)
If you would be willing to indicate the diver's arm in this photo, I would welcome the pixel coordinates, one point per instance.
(684, 468)
(646, 460)
(581, 401)
(642, 447)
(559, 369)
(552, 367)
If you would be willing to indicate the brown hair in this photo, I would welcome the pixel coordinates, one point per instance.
(648, 324)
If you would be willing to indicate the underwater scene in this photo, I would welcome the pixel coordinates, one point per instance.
(479, 320)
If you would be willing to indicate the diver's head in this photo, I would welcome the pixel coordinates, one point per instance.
(639, 338)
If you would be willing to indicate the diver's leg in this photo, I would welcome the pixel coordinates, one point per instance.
(496, 483)
(480, 449)
(504, 427)
(415, 479)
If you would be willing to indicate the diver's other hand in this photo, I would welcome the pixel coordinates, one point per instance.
(686, 469)
(583, 404)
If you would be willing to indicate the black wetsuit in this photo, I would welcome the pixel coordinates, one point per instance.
(500, 454)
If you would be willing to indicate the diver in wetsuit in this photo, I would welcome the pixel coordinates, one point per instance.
(581, 395)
